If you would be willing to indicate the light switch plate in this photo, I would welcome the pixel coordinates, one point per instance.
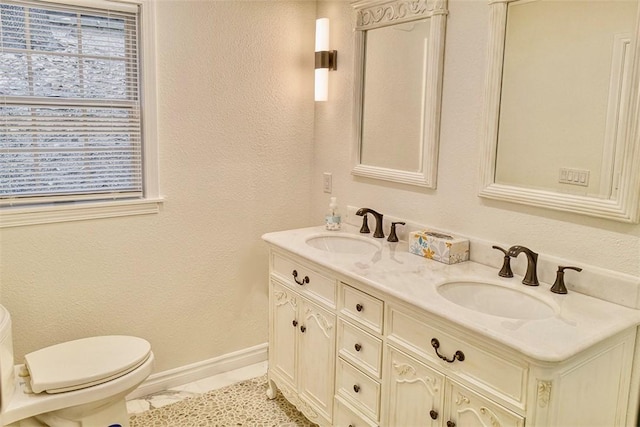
(327, 182)
(574, 176)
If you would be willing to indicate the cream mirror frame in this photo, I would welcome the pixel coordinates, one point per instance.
(378, 14)
(624, 205)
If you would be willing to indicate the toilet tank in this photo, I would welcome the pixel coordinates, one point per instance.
(6, 359)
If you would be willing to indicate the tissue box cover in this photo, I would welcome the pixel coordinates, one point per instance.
(439, 246)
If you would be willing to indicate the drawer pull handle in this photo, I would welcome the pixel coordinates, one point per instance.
(359, 307)
(294, 323)
(304, 280)
(457, 355)
(303, 329)
(433, 414)
(356, 388)
(451, 424)
(358, 347)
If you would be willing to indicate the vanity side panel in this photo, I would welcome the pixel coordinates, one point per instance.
(633, 406)
(593, 391)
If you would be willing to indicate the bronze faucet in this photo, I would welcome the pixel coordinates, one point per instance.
(531, 276)
(377, 216)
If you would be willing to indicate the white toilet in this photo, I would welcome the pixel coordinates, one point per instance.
(80, 383)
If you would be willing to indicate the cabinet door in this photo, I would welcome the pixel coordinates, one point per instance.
(467, 409)
(283, 333)
(316, 352)
(414, 392)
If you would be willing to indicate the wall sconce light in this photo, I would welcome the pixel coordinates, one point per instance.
(325, 59)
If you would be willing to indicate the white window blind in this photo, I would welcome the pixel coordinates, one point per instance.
(70, 111)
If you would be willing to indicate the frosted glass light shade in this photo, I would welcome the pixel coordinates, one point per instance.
(322, 74)
(322, 34)
(322, 84)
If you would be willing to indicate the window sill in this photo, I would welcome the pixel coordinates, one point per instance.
(21, 216)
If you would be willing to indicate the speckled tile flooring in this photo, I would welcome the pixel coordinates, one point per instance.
(179, 393)
(236, 398)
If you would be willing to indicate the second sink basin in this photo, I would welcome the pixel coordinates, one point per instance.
(496, 300)
(343, 243)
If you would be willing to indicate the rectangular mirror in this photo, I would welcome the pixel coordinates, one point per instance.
(561, 127)
(399, 61)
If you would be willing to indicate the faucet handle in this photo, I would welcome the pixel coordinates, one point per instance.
(393, 237)
(559, 286)
(365, 225)
(505, 271)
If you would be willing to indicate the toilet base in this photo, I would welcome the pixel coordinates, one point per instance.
(112, 414)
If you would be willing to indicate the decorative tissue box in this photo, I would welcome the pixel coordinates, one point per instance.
(439, 246)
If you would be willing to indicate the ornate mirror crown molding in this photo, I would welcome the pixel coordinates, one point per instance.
(382, 15)
(371, 14)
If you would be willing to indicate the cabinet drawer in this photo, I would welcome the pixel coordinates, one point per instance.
(360, 348)
(346, 416)
(358, 389)
(362, 308)
(503, 375)
(305, 279)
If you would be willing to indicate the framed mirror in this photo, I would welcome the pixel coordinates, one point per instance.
(561, 106)
(398, 85)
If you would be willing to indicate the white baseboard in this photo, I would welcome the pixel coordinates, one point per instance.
(199, 370)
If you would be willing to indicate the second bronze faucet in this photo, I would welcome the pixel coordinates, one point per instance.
(531, 276)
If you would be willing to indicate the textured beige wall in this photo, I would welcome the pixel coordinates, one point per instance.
(454, 205)
(237, 160)
(235, 93)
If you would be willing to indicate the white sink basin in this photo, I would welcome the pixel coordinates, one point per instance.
(496, 300)
(343, 243)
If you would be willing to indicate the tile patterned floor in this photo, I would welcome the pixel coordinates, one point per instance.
(242, 404)
(177, 394)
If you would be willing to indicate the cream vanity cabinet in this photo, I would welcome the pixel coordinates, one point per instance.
(347, 354)
(426, 367)
(492, 385)
(392, 378)
(421, 396)
(302, 329)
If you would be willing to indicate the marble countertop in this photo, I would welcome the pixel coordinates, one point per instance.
(580, 321)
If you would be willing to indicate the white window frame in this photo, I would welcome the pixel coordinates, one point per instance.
(151, 200)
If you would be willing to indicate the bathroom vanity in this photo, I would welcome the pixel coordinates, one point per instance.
(363, 333)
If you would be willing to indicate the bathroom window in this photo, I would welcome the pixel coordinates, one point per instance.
(72, 116)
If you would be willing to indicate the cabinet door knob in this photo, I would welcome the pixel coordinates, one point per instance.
(356, 388)
(358, 347)
(359, 307)
(451, 424)
(303, 329)
(433, 414)
(294, 323)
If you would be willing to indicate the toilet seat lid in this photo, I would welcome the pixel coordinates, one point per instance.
(85, 362)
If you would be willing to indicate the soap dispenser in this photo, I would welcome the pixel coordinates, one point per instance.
(332, 219)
